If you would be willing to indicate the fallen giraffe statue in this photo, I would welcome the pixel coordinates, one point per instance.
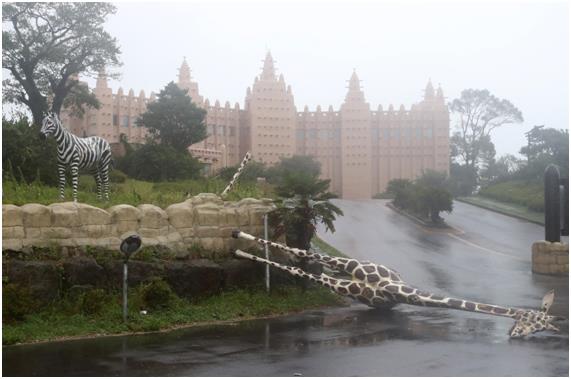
(237, 174)
(381, 287)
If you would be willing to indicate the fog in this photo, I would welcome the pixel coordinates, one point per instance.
(516, 49)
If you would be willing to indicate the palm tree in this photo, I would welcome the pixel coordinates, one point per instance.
(304, 202)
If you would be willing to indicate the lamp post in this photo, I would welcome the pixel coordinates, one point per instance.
(128, 247)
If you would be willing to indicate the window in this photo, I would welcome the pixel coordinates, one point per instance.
(125, 121)
(300, 134)
(115, 120)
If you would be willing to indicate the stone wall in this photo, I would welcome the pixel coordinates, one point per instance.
(204, 221)
(550, 258)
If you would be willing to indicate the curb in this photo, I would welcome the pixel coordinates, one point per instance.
(489, 208)
(411, 217)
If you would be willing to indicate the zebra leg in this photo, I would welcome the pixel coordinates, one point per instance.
(97, 177)
(61, 174)
(74, 178)
(104, 173)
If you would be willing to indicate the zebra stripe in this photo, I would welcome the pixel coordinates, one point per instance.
(91, 153)
(245, 161)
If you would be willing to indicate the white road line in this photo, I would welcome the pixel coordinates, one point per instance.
(486, 249)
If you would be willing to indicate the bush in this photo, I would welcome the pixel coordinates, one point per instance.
(117, 176)
(155, 163)
(93, 301)
(26, 157)
(156, 294)
(17, 302)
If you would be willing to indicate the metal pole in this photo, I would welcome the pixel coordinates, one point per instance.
(267, 253)
(125, 284)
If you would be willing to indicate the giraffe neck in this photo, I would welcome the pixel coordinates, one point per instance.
(237, 174)
(430, 300)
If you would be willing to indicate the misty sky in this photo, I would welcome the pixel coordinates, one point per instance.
(519, 50)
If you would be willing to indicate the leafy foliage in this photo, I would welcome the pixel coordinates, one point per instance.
(26, 157)
(156, 294)
(44, 47)
(174, 120)
(158, 162)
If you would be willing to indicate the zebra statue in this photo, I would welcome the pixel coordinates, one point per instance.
(91, 153)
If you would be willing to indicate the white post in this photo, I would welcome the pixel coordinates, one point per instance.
(125, 309)
(267, 253)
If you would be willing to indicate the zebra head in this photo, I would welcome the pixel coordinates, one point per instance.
(50, 125)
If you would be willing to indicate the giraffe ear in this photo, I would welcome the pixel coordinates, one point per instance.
(547, 301)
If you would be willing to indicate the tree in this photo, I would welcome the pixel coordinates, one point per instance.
(294, 164)
(46, 45)
(479, 112)
(173, 119)
(547, 146)
(25, 157)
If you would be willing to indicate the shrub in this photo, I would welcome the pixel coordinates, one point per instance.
(17, 302)
(92, 301)
(156, 294)
(117, 176)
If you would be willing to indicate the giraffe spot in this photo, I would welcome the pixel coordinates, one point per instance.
(401, 298)
(379, 293)
(369, 269)
(394, 277)
(378, 301)
(413, 299)
(406, 289)
(368, 293)
(342, 260)
(359, 274)
(354, 289)
(393, 289)
(382, 271)
(500, 311)
(436, 297)
(351, 266)
(344, 283)
(373, 278)
(326, 259)
(469, 306)
(423, 293)
(538, 326)
(342, 290)
(383, 283)
(484, 307)
(332, 281)
(455, 303)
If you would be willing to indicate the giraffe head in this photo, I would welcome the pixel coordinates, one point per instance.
(50, 124)
(529, 322)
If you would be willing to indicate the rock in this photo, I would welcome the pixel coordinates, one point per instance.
(124, 212)
(180, 215)
(90, 215)
(9, 232)
(64, 215)
(203, 198)
(195, 278)
(42, 278)
(240, 273)
(36, 215)
(82, 271)
(206, 215)
(152, 217)
(12, 215)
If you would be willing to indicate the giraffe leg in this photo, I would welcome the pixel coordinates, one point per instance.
(61, 174)
(74, 178)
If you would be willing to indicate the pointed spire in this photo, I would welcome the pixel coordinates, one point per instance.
(268, 72)
(354, 82)
(439, 93)
(101, 79)
(429, 91)
(184, 74)
(355, 94)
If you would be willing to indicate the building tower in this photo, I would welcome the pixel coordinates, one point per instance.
(185, 82)
(271, 116)
(355, 143)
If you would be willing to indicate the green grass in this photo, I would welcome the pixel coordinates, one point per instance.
(327, 248)
(522, 192)
(509, 209)
(62, 320)
(133, 192)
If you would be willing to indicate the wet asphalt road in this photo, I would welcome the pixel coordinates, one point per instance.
(485, 258)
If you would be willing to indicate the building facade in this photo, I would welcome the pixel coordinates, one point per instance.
(360, 149)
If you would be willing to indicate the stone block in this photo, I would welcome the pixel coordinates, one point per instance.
(243, 215)
(257, 215)
(12, 215)
(207, 231)
(97, 231)
(33, 233)
(212, 244)
(124, 212)
(204, 198)
(10, 232)
(12, 244)
(112, 243)
(152, 216)
(146, 241)
(206, 215)
(153, 232)
(180, 215)
(36, 215)
(229, 217)
(186, 232)
(562, 259)
(64, 215)
(90, 215)
(122, 227)
(55, 232)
